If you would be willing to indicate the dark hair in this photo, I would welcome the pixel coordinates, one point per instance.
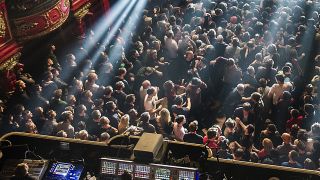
(239, 153)
(295, 113)
(119, 85)
(294, 155)
(180, 118)
(230, 123)
(272, 128)
(246, 106)
(151, 90)
(302, 135)
(256, 96)
(110, 106)
(254, 157)
(193, 127)
(212, 133)
(224, 144)
(178, 100)
(108, 90)
(145, 117)
(286, 69)
(130, 98)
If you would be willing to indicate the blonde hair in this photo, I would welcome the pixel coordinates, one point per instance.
(124, 123)
(83, 135)
(164, 116)
(267, 145)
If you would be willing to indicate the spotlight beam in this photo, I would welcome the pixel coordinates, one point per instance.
(129, 27)
(113, 31)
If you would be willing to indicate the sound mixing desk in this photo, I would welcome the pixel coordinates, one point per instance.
(113, 168)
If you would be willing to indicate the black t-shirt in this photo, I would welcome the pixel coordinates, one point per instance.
(148, 128)
(180, 111)
(93, 128)
(193, 138)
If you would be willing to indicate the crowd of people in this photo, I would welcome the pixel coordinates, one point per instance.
(239, 76)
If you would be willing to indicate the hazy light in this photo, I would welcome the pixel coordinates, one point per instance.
(128, 28)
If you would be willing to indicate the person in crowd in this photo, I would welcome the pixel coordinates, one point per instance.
(144, 123)
(238, 154)
(230, 130)
(104, 137)
(192, 136)
(119, 94)
(295, 118)
(48, 85)
(82, 135)
(66, 119)
(107, 128)
(123, 124)
(179, 109)
(164, 123)
(107, 96)
(244, 113)
(178, 130)
(80, 114)
(50, 125)
(151, 101)
(94, 123)
(277, 89)
(129, 103)
(267, 147)
(286, 146)
(57, 103)
(315, 154)
(271, 133)
(112, 113)
(20, 95)
(22, 172)
(8, 124)
(211, 140)
(233, 100)
(143, 92)
(293, 160)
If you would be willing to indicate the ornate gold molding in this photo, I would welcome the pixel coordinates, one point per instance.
(26, 26)
(3, 25)
(43, 32)
(79, 14)
(11, 62)
(49, 27)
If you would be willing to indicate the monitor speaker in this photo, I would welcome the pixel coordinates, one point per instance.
(148, 147)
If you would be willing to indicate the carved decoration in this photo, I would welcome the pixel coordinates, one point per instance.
(5, 33)
(3, 25)
(79, 14)
(11, 62)
(41, 23)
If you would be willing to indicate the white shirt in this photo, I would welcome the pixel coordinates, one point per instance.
(277, 90)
